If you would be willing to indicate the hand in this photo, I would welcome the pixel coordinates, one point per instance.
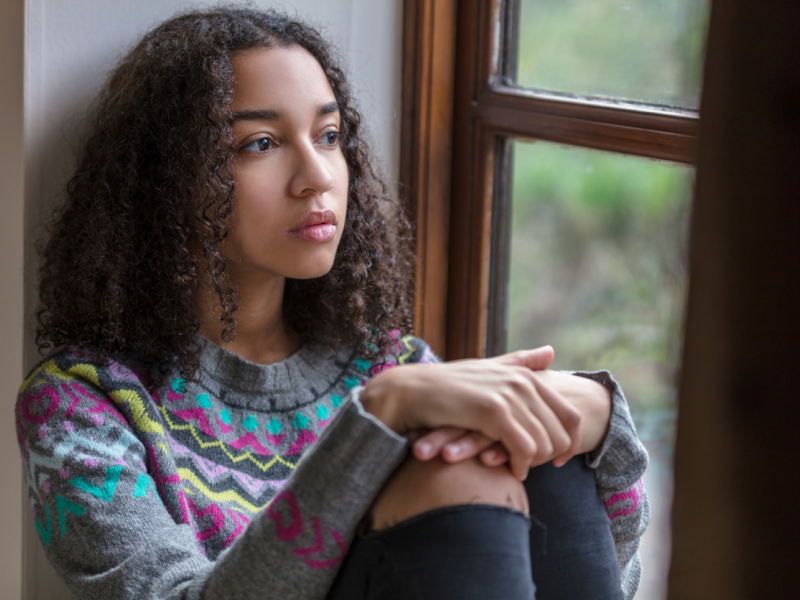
(456, 445)
(592, 399)
(497, 397)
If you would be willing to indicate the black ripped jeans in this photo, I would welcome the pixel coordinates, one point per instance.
(481, 552)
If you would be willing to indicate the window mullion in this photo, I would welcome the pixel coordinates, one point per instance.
(529, 122)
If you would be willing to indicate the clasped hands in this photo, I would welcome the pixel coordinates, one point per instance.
(509, 408)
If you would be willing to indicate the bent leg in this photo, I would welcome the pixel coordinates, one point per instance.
(442, 532)
(417, 487)
(572, 549)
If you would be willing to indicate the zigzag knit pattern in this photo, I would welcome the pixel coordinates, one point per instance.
(213, 452)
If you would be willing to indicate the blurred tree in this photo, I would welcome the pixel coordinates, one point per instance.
(646, 50)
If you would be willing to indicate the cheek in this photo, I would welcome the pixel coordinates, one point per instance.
(342, 178)
(256, 198)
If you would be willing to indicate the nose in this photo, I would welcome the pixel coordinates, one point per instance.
(311, 174)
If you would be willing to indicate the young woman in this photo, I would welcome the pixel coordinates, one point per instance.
(226, 291)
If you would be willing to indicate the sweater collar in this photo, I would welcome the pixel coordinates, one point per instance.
(309, 372)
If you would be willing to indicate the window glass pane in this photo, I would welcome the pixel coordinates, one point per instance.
(644, 50)
(598, 270)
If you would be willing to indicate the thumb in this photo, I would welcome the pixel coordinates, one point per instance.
(536, 359)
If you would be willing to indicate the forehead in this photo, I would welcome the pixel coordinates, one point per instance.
(278, 78)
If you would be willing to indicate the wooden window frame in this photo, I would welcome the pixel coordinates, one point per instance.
(460, 111)
(429, 33)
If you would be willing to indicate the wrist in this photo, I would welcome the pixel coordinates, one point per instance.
(593, 401)
(380, 398)
(596, 414)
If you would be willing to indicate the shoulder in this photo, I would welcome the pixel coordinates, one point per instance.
(69, 364)
(404, 350)
(410, 349)
(72, 385)
(85, 397)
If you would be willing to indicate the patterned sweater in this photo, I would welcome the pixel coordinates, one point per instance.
(248, 483)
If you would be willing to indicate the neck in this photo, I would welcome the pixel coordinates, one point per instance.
(261, 336)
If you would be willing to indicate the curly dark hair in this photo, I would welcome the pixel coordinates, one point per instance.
(155, 178)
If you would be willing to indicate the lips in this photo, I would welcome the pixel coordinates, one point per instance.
(317, 226)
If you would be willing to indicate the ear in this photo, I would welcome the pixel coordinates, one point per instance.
(536, 359)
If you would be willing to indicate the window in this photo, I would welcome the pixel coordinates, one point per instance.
(548, 160)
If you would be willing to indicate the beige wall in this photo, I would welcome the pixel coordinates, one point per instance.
(68, 49)
(11, 291)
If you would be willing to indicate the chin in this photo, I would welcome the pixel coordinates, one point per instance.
(310, 271)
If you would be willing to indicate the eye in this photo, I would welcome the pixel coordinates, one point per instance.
(330, 138)
(262, 144)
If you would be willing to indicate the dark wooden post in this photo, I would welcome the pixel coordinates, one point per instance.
(736, 515)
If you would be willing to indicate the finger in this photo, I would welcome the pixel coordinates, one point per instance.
(567, 414)
(509, 423)
(536, 359)
(413, 436)
(494, 456)
(504, 424)
(535, 414)
(542, 405)
(534, 427)
(469, 445)
(431, 444)
(560, 461)
(524, 402)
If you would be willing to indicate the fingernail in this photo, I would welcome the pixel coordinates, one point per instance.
(490, 455)
(454, 450)
(424, 448)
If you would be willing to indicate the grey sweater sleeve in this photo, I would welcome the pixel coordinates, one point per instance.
(92, 482)
(333, 487)
(619, 464)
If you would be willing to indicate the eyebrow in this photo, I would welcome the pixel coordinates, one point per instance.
(276, 115)
(326, 109)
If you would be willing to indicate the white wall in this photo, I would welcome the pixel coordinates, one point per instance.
(69, 48)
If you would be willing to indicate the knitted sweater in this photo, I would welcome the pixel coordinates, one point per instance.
(248, 483)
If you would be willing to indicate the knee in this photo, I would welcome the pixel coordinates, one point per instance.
(417, 487)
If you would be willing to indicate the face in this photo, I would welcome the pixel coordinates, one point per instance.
(291, 175)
